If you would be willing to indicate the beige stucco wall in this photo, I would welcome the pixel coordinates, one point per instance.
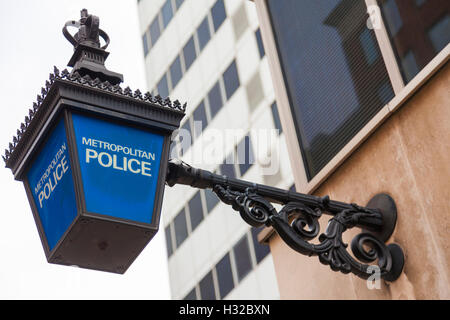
(408, 157)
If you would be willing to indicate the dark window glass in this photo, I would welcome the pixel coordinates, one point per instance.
(369, 46)
(420, 2)
(168, 241)
(155, 31)
(180, 225)
(292, 188)
(439, 33)
(333, 87)
(163, 87)
(191, 295)
(145, 44)
(261, 250)
(211, 200)
(276, 117)
(231, 79)
(167, 12)
(203, 33)
(218, 14)
(189, 53)
(215, 99)
(178, 3)
(227, 167)
(200, 119)
(260, 43)
(175, 72)
(195, 210)
(242, 257)
(224, 276)
(245, 155)
(207, 287)
(185, 137)
(418, 31)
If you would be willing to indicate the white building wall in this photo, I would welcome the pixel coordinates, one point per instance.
(248, 110)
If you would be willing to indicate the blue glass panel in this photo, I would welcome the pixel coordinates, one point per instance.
(51, 183)
(119, 168)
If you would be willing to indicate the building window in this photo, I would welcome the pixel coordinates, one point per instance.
(167, 12)
(242, 257)
(189, 53)
(245, 155)
(211, 200)
(259, 42)
(218, 14)
(163, 87)
(145, 44)
(168, 241)
(276, 117)
(203, 33)
(224, 276)
(439, 33)
(186, 137)
(409, 65)
(369, 46)
(207, 287)
(261, 250)
(181, 231)
(195, 210)
(155, 30)
(175, 72)
(178, 3)
(191, 295)
(332, 87)
(393, 18)
(200, 119)
(227, 167)
(231, 79)
(215, 99)
(421, 29)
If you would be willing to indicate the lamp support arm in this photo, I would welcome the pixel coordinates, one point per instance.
(298, 221)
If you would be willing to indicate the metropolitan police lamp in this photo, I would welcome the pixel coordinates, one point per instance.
(94, 159)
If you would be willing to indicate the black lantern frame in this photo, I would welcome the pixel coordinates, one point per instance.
(66, 94)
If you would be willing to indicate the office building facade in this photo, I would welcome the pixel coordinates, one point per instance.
(363, 89)
(210, 54)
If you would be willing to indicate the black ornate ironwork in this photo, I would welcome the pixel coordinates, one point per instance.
(297, 223)
(87, 81)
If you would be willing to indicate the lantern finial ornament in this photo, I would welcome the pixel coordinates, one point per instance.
(89, 58)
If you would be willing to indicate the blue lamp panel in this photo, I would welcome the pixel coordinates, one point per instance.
(119, 168)
(51, 183)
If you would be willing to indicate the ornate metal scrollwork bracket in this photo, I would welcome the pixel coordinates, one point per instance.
(297, 222)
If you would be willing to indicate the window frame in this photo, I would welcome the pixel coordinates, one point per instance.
(401, 90)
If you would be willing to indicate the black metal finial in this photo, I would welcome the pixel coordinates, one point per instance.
(89, 31)
(89, 58)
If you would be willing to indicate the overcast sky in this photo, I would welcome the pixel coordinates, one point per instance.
(31, 44)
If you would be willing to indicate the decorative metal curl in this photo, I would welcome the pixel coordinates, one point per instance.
(297, 223)
(254, 209)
